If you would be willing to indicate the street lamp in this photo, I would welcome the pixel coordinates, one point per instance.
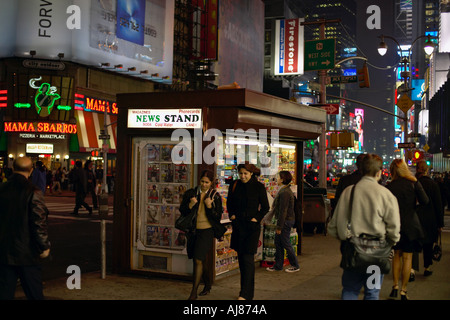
(405, 74)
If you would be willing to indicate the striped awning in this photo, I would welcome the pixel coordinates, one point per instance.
(89, 125)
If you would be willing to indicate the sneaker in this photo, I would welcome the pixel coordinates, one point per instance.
(272, 269)
(292, 269)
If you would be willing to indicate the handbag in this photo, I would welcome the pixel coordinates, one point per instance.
(437, 250)
(359, 253)
(186, 223)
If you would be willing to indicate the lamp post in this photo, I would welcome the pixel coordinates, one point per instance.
(406, 74)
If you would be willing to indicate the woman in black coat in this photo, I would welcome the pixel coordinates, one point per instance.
(206, 203)
(247, 204)
(406, 189)
(430, 215)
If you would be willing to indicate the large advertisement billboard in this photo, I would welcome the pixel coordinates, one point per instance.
(241, 43)
(132, 33)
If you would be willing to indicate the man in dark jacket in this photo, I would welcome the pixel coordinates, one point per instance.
(80, 182)
(23, 233)
(348, 180)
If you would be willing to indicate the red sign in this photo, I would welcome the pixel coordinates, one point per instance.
(47, 127)
(291, 41)
(331, 108)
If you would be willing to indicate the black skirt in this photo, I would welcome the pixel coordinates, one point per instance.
(200, 243)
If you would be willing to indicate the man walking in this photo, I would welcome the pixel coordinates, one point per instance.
(375, 212)
(80, 182)
(23, 233)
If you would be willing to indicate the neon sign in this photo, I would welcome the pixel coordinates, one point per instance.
(46, 127)
(86, 103)
(44, 98)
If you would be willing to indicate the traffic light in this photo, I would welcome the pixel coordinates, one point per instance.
(363, 77)
(417, 155)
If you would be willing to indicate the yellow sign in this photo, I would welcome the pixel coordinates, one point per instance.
(404, 103)
(426, 148)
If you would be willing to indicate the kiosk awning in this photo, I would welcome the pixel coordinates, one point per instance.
(89, 126)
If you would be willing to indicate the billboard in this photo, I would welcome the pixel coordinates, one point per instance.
(132, 33)
(241, 43)
(131, 20)
(289, 43)
(359, 122)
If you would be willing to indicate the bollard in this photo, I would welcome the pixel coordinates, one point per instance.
(103, 205)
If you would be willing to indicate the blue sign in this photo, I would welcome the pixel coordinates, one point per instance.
(418, 89)
(349, 72)
(282, 47)
(131, 20)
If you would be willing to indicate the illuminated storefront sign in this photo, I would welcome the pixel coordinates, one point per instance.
(289, 47)
(39, 148)
(42, 136)
(167, 118)
(90, 104)
(44, 99)
(44, 127)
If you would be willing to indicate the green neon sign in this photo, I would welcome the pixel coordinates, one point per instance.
(45, 97)
(22, 105)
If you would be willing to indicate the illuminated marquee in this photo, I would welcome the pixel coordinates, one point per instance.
(45, 127)
(86, 103)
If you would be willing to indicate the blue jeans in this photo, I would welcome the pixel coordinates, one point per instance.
(352, 282)
(282, 241)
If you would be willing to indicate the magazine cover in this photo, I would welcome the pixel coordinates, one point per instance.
(165, 237)
(167, 193)
(166, 152)
(153, 236)
(153, 172)
(179, 191)
(153, 214)
(153, 193)
(167, 214)
(181, 173)
(167, 172)
(153, 152)
(179, 239)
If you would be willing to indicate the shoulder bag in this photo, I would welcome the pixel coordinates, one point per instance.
(359, 253)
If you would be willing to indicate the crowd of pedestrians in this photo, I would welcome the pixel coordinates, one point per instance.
(407, 213)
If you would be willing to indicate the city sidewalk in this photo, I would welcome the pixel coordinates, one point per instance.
(319, 278)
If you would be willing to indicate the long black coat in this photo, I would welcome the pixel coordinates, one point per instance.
(407, 192)
(431, 215)
(23, 222)
(247, 201)
(214, 215)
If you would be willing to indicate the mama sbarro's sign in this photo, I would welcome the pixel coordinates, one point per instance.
(165, 118)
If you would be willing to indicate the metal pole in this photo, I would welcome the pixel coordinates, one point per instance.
(323, 137)
(105, 192)
(323, 100)
(103, 240)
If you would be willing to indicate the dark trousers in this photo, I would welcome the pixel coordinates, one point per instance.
(79, 202)
(247, 269)
(94, 198)
(30, 279)
(282, 242)
(427, 250)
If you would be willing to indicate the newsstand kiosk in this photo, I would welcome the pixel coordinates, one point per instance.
(165, 139)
